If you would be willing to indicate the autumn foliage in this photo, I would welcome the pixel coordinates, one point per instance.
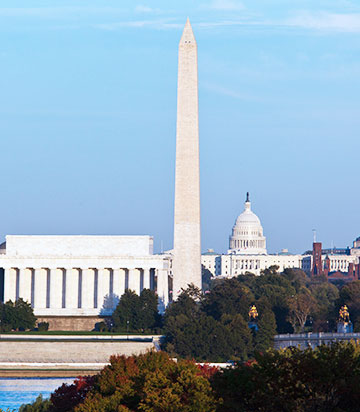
(147, 382)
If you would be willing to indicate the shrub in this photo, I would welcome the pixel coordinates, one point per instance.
(43, 326)
(101, 327)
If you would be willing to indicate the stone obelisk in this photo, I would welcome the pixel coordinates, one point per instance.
(187, 248)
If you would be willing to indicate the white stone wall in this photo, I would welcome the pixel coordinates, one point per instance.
(212, 263)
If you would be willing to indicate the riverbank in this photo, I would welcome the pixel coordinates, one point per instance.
(66, 355)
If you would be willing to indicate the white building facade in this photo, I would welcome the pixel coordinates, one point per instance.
(74, 276)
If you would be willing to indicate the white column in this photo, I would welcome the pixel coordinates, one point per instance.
(103, 287)
(162, 289)
(56, 288)
(25, 284)
(134, 280)
(40, 287)
(71, 294)
(146, 278)
(119, 282)
(88, 287)
(10, 284)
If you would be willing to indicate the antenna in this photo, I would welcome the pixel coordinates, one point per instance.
(162, 247)
(314, 235)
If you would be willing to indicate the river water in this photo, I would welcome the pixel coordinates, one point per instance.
(16, 391)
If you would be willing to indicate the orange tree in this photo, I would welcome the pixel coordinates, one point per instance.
(149, 382)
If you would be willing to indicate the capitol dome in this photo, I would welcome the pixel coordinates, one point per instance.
(247, 234)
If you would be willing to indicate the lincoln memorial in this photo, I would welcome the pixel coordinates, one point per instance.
(79, 277)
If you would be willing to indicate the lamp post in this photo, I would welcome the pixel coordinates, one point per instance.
(127, 329)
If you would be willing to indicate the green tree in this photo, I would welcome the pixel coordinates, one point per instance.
(126, 313)
(191, 333)
(39, 405)
(324, 379)
(350, 292)
(296, 277)
(150, 317)
(276, 289)
(327, 297)
(136, 313)
(228, 296)
(264, 337)
(239, 341)
(17, 315)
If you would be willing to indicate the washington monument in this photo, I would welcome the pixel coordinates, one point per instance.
(187, 248)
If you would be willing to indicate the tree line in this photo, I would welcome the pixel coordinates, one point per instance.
(213, 326)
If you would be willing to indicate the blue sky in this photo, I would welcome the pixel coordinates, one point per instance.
(88, 111)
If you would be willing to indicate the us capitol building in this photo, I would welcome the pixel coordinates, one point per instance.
(247, 252)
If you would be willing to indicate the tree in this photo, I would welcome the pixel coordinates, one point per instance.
(126, 313)
(275, 288)
(264, 337)
(327, 297)
(67, 397)
(187, 303)
(239, 341)
(350, 292)
(150, 317)
(136, 313)
(150, 382)
(300, 305)
(39, 405)
(228, 296)
(324, 379)
(17, 315)
(297, 278)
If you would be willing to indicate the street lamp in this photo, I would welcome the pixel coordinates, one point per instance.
(127, 329)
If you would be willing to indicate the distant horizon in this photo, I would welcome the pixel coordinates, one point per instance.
(88, 118)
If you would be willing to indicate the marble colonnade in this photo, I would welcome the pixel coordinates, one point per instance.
(87, 289)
